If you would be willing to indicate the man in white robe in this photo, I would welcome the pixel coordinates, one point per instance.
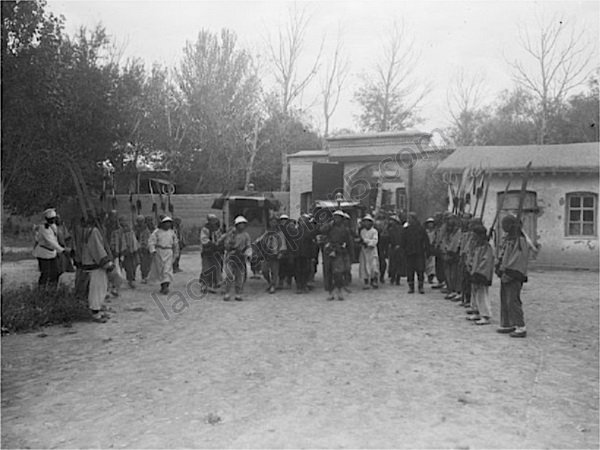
(164, 247)
(369, 258)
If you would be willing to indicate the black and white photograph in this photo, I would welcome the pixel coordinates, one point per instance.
(269, 224)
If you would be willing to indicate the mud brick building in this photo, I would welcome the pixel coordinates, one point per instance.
(561, 205)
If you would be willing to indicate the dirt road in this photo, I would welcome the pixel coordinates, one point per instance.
(381, 369)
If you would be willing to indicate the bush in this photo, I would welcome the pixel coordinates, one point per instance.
(27, 308)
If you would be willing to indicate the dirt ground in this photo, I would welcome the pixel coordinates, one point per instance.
(381, 369)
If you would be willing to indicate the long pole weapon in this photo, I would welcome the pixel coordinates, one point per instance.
(498, 210)
(523, 192)
(485, 195)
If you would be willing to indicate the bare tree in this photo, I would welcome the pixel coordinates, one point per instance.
(557, 60)
(336, 72)
(464, 100)
(391, 94)
(285, 55)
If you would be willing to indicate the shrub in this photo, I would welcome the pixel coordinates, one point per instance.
(27, 308)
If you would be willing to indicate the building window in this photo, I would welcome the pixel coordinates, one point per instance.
(581, 214)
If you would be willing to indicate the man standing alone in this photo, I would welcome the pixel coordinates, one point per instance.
(416, 249)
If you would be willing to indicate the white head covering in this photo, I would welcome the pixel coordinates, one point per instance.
(339, 213)
(166, 219)
(368, 217)
(284, 216)
(395, 218)
(211, 217)
(430, 219)
(50, 213)
(240, 219)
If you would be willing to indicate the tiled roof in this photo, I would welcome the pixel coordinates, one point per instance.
(582, 157)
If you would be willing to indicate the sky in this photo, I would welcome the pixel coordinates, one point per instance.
(477, 37)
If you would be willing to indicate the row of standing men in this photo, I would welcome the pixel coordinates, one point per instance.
(455, 250)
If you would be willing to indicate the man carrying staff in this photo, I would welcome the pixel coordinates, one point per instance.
(46, 250)
(211, 254)
(513, 259)
(96, 261)
(238, 248)
(163, 246)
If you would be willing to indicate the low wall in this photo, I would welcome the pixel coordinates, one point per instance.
(192, 209)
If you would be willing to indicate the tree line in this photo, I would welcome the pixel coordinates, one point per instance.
(212, 122)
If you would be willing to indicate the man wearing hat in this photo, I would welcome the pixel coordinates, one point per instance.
(238, 248)
(369, 259)
(338, 241)
(513, 259)
(211, 253)
(46, 250)
(305, 242)
(163, 246)
(286, 262)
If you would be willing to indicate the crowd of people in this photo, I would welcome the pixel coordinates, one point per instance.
(450, 252)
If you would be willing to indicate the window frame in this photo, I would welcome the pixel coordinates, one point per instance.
(581, 209)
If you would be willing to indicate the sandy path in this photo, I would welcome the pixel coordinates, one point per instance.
(382, 369)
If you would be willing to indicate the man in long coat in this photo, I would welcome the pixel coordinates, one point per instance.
(397, 268)
(96, 261)
(211, 254)
(415, 244)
